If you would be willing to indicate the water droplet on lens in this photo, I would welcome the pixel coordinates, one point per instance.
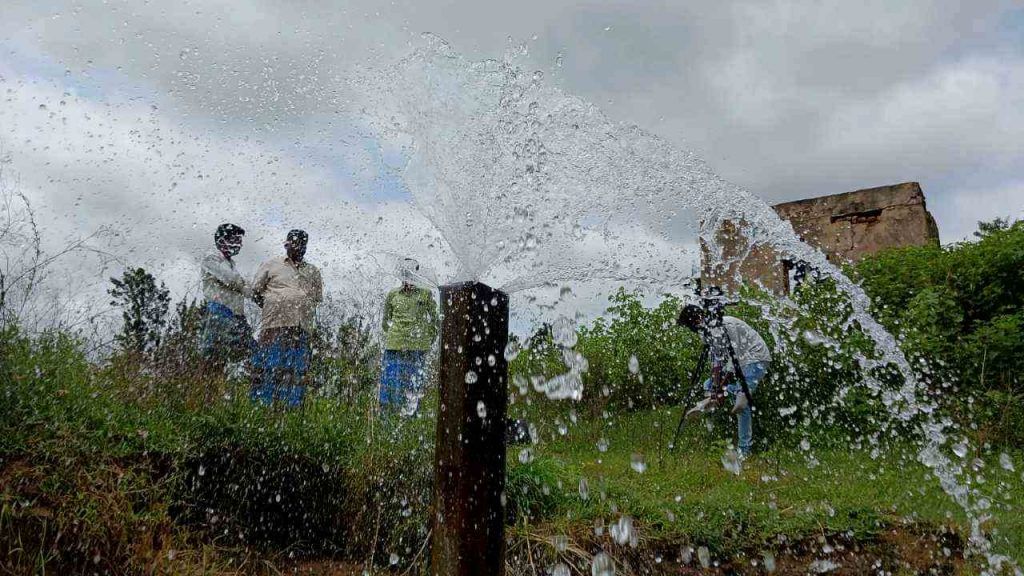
(704, 556)
(637, 463)
(1006, 462)
(623, 532)
(602, 565)
(960, 450)
(769, 561)
(560, 570)
(731, 461)
(511, 350)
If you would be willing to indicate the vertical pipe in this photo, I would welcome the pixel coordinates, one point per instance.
(469, 472)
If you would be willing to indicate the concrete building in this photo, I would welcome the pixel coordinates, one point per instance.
(846, 227)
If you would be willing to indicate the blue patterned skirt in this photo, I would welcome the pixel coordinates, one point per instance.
(404, 373)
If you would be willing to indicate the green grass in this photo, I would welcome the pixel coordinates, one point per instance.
(92, 453)
(687, 494)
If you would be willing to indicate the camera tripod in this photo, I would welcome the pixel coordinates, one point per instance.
(713, 330)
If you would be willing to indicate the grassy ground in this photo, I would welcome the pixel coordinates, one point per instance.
(783, 500)
(105, 473)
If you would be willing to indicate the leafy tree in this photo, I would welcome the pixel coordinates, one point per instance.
(346, 360)
(188, 318)
(996, 225)
(144, 307)
(955, 307)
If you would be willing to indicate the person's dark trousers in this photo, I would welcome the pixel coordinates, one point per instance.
(225, 337)
(279, 366)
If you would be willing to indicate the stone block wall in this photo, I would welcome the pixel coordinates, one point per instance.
(846, 227)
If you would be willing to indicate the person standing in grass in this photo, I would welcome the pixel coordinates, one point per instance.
(288, 289)
(410, 326)
(753, 357)
(226, 335)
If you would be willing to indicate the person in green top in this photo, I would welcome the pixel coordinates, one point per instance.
(410, 326)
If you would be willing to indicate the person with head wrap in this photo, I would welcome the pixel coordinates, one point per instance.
(225, 335)
(288, 289)
(410, 326)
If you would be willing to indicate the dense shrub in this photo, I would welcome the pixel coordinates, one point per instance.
(73, 438)
(636, 357)
(959, 313)
(664, 354)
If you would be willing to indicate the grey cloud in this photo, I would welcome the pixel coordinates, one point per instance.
(786, 99)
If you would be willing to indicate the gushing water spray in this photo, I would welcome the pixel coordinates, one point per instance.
(529, 186)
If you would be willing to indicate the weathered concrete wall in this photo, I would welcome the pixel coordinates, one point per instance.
(846, 227)
(849, 226)
(742, 262)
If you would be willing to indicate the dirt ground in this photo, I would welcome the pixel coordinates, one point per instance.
(895, 551)
(327, 568)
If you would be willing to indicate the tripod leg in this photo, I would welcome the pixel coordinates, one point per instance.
(694, 379)
(736, 366)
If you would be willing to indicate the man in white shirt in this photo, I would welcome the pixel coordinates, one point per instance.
(288, 289)
(226, 335)
(752, 355)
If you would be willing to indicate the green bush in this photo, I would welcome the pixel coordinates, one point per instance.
(306, 481)
(959, 314)
(664, 356)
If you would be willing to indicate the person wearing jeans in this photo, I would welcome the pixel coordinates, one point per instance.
(744, 418)
(752, 355)
(288, 289)
(410, 326)
(226, 335)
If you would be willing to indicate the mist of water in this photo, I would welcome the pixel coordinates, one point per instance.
(530, 186)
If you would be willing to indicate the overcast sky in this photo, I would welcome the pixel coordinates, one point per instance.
(162, 119)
